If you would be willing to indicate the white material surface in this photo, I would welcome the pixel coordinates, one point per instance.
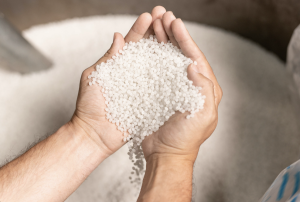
(256, 138)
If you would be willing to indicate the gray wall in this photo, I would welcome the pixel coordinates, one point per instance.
(268, 22)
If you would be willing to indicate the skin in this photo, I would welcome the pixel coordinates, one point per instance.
(171, 151)
(54, 168)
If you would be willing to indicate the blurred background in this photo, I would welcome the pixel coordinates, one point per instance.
(267, 22)
(45, 45)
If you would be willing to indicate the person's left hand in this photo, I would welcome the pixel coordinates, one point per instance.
(89, 115)
(180, 138)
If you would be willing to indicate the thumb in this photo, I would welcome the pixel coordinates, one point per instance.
(118, 43)
(206, 84)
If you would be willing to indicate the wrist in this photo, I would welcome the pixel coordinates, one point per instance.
(172, 158)
(168, 177)
(82, 145)
(87, 132)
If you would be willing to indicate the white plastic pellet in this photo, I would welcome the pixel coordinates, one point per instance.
(143, 85)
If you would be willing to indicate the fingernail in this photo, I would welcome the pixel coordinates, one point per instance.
(195, 68)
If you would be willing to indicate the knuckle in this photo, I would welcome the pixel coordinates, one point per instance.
(208, 83)
(220, 92)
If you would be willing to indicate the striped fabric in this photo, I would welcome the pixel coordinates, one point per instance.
(286, 187)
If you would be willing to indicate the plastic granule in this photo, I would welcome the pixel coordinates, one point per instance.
(143, 85)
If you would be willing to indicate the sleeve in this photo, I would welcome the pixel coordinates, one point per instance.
(286, 186)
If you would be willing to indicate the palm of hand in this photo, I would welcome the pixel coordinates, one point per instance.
(178, 135)
(91, 110)
(90, 107)
(181, 136)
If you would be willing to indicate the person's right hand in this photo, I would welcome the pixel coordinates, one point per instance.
(181, 137)
(89, 116)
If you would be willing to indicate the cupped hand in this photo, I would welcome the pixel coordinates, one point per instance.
(89, 115)
(181, 137)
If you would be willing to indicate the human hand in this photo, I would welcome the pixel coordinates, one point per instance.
(89, 115)
(181, 137)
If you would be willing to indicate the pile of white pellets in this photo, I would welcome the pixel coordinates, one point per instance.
(143, 85)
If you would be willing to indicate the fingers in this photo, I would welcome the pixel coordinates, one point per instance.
(143, 27)
(118, 43)
(156, 13)
(206, 84)
(139, 28)
(167, 20)
(160, 32)
(185, 41)
(191, 50)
